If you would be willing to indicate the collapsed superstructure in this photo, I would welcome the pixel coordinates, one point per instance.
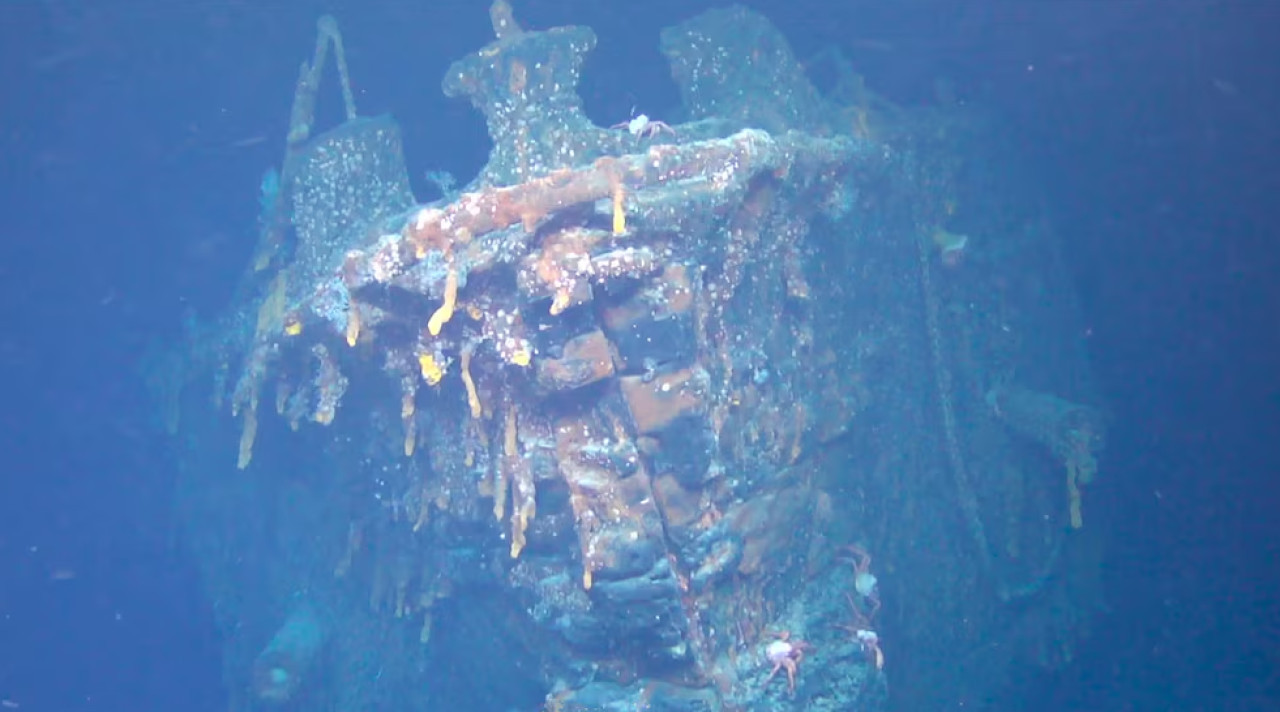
(722, 415)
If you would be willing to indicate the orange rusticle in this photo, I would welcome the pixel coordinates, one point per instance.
(445, 312)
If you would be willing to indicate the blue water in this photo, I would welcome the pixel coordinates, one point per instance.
(134, 136)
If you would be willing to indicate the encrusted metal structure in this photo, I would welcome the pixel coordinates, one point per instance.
(723, 415)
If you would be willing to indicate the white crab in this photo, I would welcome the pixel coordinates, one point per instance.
(641, 126)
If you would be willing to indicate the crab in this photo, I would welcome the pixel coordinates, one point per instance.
(785, 653)
(862, 632)
(871, 646)
(641, 126)
(864, 582)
